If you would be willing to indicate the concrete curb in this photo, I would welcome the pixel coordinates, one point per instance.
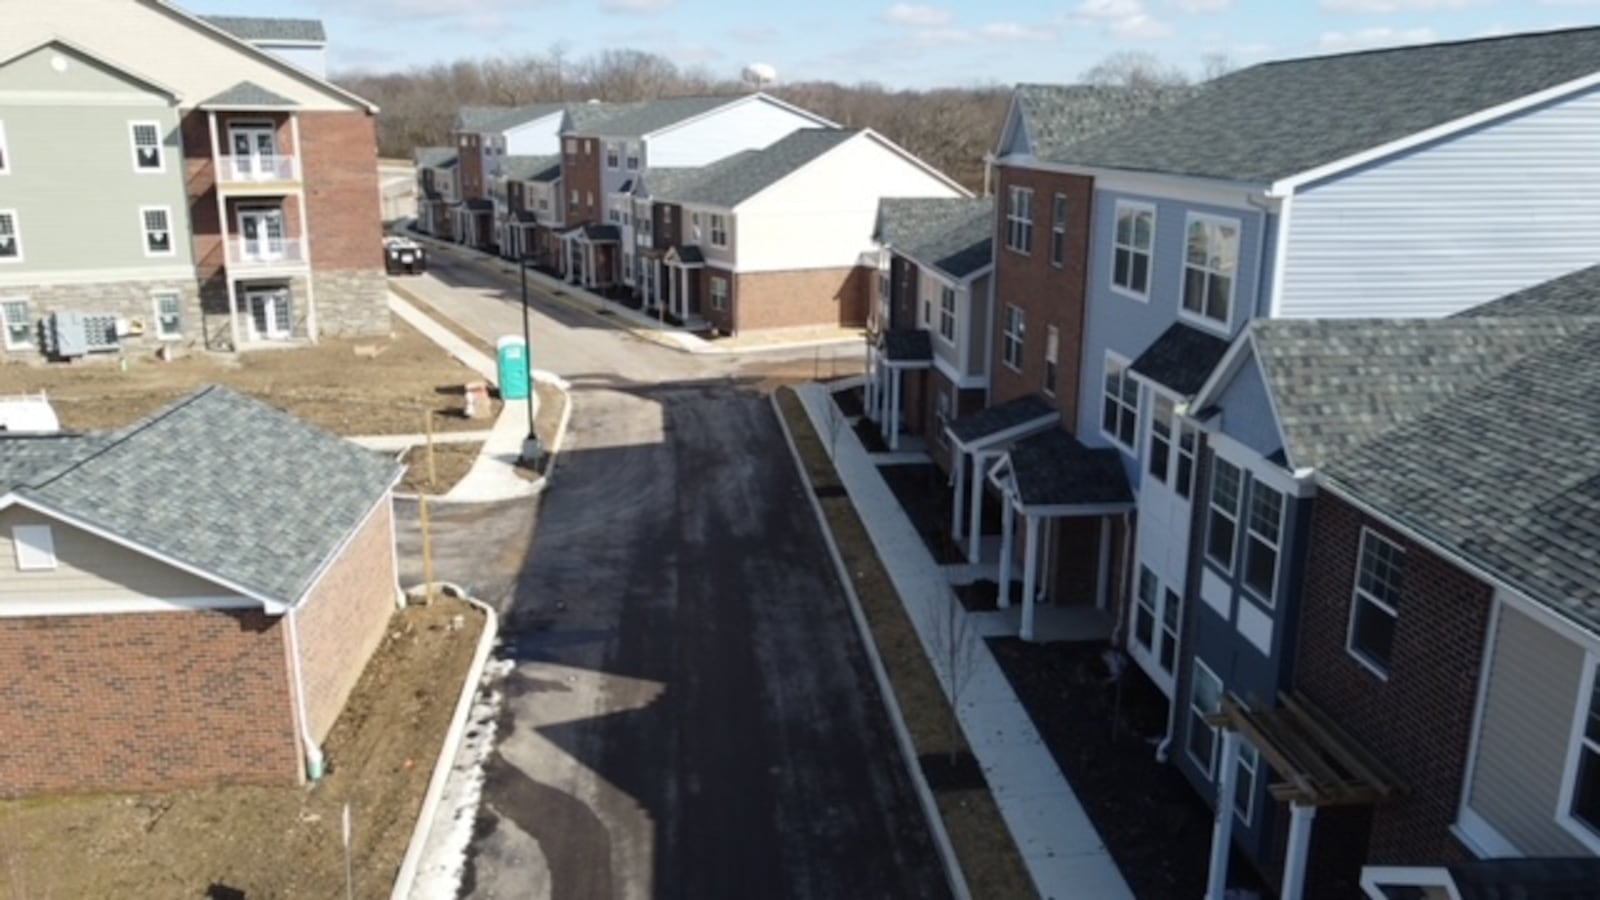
(560, 440)
(930, 807)
(452, 745)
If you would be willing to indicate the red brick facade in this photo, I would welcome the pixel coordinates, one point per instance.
(580, 172)
(803, 297)
(469, 165)
(1418, 721)
(339, 152)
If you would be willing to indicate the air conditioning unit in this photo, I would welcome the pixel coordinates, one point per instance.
(72, 334)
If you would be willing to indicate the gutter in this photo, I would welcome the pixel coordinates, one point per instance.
(314, 759)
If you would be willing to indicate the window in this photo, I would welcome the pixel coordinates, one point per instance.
(719, 230)
(611, 155)
(1120, 418)
(18, 323)
(1171, 615)
(1184, 476)
(1019, 220)
(1223, 521)
(1144, 621)
(1058, 231)
(614, 216)
(633, 157)
(465, 141)
(1160, 437)
(544, 203)
(35, 547)
(574, 196)
(1244, 783)
(719, 293)
(1209, 262)
(1131, 247)
(157, 224)
(169, 315)
(1376, 604)
(1011, 340)
(947, 314)
(1583, 778)
(1262, 540)
(5, 152)
(694, 227)
(1205, 699)
(941, 413)
(10, 236)
(927, 313)
(147, 156)
(588, 199)
(1052, 355)
(570, 146)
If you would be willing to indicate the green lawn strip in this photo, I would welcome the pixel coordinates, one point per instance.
(989, 858)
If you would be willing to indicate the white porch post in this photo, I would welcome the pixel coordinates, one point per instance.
(1030, 572)
(895, 377)
(960, 460)
(1103, 588)
(683, 296)
(588, 266)
(870, 388)
(1222, 827)
(975, 512)
(1294, 859)
(1008, 528)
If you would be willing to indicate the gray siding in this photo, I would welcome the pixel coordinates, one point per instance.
(1523, 741)
(977, 325)
(1247, 411)
(1453, 224)
(90, 568)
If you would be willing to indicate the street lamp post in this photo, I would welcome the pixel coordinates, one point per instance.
(532, 452)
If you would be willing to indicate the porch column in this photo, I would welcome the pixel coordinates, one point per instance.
(960, 460)
(588, 266)
(683, 296)
(1222, 827)
(1030, 572)
(1008, 528)
(1294, 859)
(975, 513)
(1103, 588)
(895, 378)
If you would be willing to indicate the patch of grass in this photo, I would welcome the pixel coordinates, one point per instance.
(989, 858)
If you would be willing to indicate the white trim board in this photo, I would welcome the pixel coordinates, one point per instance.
(100, 606)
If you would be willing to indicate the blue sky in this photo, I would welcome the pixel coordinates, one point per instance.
(900, 43)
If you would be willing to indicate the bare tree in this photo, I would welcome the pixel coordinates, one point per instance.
(1134, 68)
(955, 652)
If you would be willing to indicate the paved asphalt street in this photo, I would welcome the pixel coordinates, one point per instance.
(691, 713)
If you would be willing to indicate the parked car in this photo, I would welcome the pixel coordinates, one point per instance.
(404, 256)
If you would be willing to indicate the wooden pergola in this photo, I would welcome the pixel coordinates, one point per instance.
(1319, 764)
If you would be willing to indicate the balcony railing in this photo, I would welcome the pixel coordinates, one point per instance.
(257, 170)
(265, 254)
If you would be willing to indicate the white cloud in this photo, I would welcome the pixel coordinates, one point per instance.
(1367, 38)
(1123, 18)
(1011, 31)
(914, 14)
(1202, 7)
(990, 33)
(1394, 6)
(637, 7)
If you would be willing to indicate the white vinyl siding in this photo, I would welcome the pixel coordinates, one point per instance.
(1019, 220)
(148, 154)
(17, 320)
(1119, 420)
(1012, 338)
(1132, 249)
(5, 152)
(1375, 604)
(10, 236)
(156, 222)
(1210, 269)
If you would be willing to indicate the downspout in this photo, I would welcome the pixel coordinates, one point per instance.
(1262, 288)
(314, 760)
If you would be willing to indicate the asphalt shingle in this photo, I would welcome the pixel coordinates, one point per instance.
(631, 120)
(954, 235)
(267, 30)
(728, 182)
(995, 419)
(908, 345)
(531, 168)
(1055, 469)
(1057, 115)
(1182, 358)
(251, 95)
(1575, 294)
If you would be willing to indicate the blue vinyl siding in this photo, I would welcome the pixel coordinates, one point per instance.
(1247, 411)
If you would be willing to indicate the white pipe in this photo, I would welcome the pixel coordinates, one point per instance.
(313, 752)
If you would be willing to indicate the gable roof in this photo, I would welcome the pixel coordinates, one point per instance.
(1055, 469)
(217, 481)
(260, 28)
(435, 157)
(1279, 119)
(644, 117)
(1182, 358)
(1056, 115)
(495, 119)
(734, 179)
(530, 168)
(1505, 473)
(109, 65)
(1026, 410)
(954, 235)
(1574, 294)
(478, 118)
(250, 95)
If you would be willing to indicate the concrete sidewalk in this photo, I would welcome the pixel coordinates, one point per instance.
(395, 443)
(1062, 851)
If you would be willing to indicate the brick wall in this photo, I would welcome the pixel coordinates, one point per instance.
(344, 619)
(1047, 294)
(470, 165)
(801, 297)
(339, 155)
(580, 171)
(144, 701)
(1418, 721)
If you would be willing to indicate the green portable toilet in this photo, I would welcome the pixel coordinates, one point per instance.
(516, 367)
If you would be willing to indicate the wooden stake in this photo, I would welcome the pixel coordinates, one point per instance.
(427, 429)
(427, 552)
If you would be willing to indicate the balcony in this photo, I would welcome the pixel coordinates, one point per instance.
(245, 171)
(247, 255)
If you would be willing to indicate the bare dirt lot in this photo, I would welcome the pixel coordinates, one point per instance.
(256, 843)
(350, 387)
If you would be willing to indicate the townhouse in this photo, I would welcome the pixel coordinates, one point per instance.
(437, 190)
(527, 193)
(230, 193)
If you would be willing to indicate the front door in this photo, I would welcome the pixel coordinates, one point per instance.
(1166, 491)
(255, 151)
(270, 318)
(261, 234)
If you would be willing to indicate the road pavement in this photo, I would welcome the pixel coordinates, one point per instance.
(690, 713)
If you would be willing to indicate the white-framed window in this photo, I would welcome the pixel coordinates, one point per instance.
(1171, 618)
(633, 157)
(1058, 231)
(614, 216)
(588, 199)
(17, 319)
(1011, 340)
(1159, 453)
(1222, 520)
(570, 146)
(1205, 699)
(35, 547)
(10, 237)
(947, 313)
(719, 293)
(1210, 264)
(1144, 619)
(1580, 784)
(1183, 477)
(1132, 247)
(611, 155)
(1019, 220)
(1244, 782)
(157, 224)
(5, 152)
(168, 315)
(574, 198)
(1375, 602)
(146, 140)
(1052, 359)
(1119, 418)
(719, 230)
(466, 141)
(1262, 541)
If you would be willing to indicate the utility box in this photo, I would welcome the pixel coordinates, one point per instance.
(516, 368)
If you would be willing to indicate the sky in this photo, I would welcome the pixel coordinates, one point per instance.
(898, 43)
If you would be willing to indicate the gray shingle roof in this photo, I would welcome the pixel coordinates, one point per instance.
(643, 117)
(995, 419)
(479, 118)
(908, 345)
(521, 115)
(1574, 294)
(1279, 119)
(1054, 469)
(249, 94)
(728, 182)
(688, 254)
(601, 234)
(954, 235)
(530, 168)
(218, 481)
(1056, 115)
(1182, 358)
(1505, 473)
(434, 157)
(257, 28)
(1338, 383)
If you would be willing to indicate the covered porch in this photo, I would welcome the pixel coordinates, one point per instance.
(678, 293)
(474, 222)
(976, 443)
(588, 253)
(519, 231)
(895, 353)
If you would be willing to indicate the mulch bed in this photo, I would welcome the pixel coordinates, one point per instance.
(871, 439)
(924, 493)
(980, 595)
(1157, 828)
(851, 401)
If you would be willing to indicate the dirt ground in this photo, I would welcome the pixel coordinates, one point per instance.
(451, 463)
(338, 384)
(256, 843)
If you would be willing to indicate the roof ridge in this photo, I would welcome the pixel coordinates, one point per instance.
(1404, 48)
(119, 436)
